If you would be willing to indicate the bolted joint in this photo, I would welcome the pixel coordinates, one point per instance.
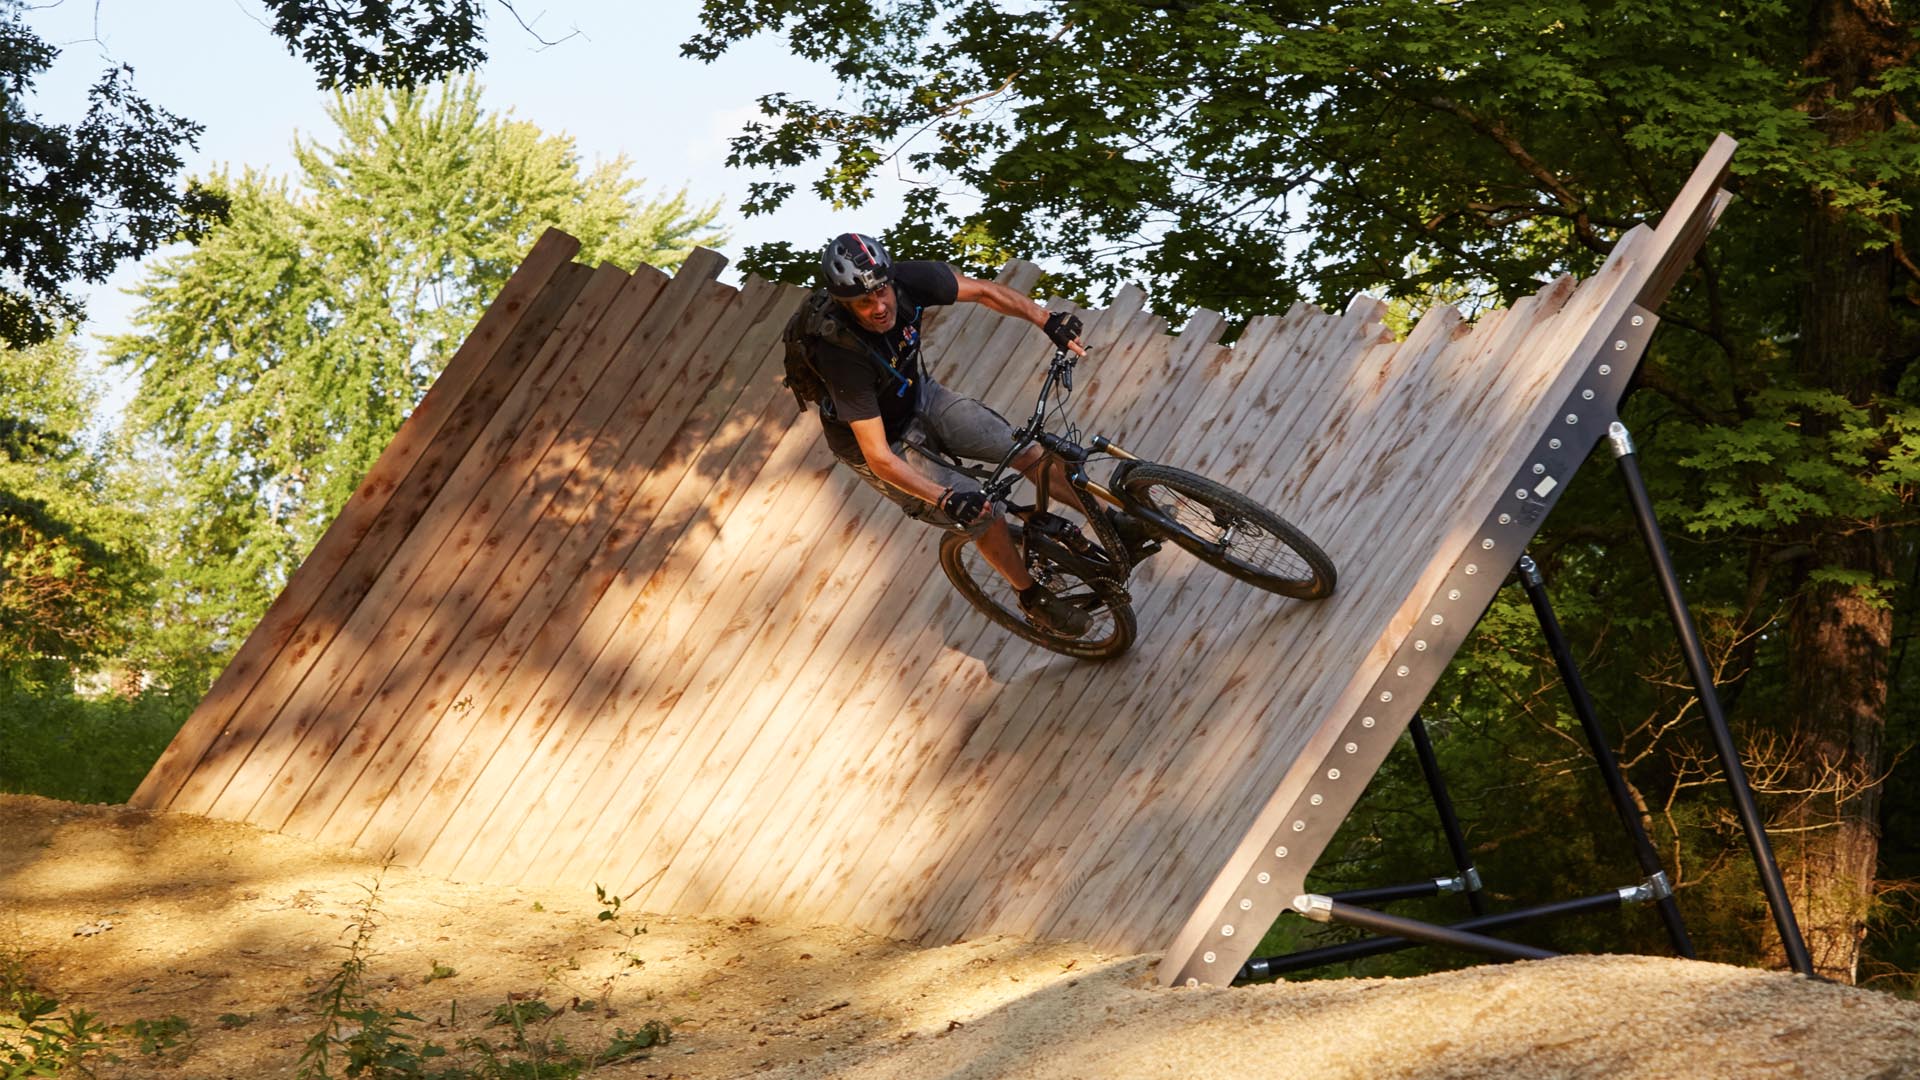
(1620, 438)
(1314, 906)
(1654, 888)
(1530, 572)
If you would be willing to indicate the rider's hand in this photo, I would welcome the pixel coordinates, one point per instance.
(1063, 329)
(963, 506)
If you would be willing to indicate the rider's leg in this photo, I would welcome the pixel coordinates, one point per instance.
(996, 546)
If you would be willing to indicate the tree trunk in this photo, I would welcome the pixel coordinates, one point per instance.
(1838, 641)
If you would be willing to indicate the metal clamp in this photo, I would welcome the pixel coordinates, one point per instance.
(1654, 888)
(1314, 906)
(1621, 439)
(1470, 880)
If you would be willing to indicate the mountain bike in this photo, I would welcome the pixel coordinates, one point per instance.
(1080, 552)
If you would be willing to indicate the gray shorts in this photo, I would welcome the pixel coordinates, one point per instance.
(946, 423)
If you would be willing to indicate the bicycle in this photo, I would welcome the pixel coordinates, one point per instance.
(1220, 526)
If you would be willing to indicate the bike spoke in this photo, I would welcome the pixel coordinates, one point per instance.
(1244, 542)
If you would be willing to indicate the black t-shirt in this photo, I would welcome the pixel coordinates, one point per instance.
(886, 381)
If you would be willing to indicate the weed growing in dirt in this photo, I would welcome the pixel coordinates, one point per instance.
(38, 1040)
(610, 913)
(366, 1039)
(361, 1040)
(159, 1038)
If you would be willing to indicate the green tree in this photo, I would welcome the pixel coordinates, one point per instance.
(76, 200)
(72, 565)
(1240, 156)
(278, 357)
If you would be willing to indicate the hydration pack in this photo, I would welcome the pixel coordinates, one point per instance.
(816, 321)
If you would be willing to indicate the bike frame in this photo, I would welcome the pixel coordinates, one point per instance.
(999, 483)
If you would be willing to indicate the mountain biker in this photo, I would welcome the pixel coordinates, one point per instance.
(889, 421)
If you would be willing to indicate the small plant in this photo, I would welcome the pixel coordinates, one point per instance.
(518, 1014)
(631, 1046)
(610, 913)
(156, 1037)
(440, 971)
(366, 1036)
(33, 1040)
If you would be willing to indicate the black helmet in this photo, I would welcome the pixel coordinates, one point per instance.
(855, 265)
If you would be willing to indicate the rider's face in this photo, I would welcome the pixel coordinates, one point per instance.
(875, 310)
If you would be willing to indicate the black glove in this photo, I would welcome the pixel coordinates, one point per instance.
(1063, 328)
(963, 506)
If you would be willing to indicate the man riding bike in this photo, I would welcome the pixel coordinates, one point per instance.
(889, 422)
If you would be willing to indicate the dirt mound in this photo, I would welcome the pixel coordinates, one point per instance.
(144, 916)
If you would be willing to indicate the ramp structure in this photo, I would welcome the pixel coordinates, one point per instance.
(605, 612)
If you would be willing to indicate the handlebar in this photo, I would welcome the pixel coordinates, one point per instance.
(1059, 372)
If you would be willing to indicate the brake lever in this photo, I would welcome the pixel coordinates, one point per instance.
(1066, 375)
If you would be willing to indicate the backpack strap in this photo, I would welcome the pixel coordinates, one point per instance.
(819, 320)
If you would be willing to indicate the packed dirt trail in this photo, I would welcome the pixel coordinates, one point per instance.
(133, 915)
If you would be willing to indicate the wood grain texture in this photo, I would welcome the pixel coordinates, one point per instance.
(608, 613)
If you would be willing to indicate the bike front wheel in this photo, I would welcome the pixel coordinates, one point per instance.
(1106, 601)
(1226, 530)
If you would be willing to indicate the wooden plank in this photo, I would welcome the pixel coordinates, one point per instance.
(639, 625)
(524, 591)
(1229, 881)
(1019, 824)
(431, 616)
(685, 630)
(533, 296)
(984, 360)
(1415, 415)
(561, 724)
(1039, 814)
(774, 763)
(456, 807)
(719, 422)
(910, 668)
(268, 769)
(529, 363)
(749, 819)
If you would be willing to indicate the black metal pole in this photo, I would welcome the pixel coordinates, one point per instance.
(1535, 584)
(1770, 881)
(1449, 821)
(1384, 894)
(1264, 967)
(1326, 909)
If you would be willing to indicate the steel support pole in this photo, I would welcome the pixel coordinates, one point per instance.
(1326, 909)
(1449, 821)
(1266, 967)
(1536, 586)
(1696, 657)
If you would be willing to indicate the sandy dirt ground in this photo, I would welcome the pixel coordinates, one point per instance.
(144, 916)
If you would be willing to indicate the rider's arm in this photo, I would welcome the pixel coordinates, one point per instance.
(1009, 302)
(871, 434)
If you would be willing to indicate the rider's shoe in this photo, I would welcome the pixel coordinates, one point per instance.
(1052, 614)
(1139, 540)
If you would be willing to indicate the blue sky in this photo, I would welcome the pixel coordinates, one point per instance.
(618, 86)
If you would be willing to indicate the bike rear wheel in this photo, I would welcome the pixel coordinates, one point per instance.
(1106, 600)
(1226, 530)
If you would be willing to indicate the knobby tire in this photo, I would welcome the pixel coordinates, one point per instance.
(1114, 624)
(1263, 548)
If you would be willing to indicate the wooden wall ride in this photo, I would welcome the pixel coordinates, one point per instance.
(605, 613)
